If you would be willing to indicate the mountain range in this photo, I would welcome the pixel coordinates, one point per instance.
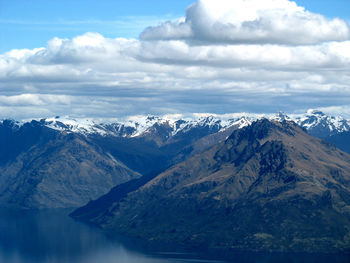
(66, 162)
(250, 182)
(268, 186)
(314, 121)
(50, 163)
(43, 168)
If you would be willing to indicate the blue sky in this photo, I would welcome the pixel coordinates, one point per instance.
(115, 58)
(31, 23)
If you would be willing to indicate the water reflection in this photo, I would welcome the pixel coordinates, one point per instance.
(51, 236)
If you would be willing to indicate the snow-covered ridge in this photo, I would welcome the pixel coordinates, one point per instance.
(83, 126)
(320, 124)
(140, 125)
(314, 121)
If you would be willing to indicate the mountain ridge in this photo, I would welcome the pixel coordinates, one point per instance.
(44, 168)
(263, 188)
(157, 145)
(316, 122)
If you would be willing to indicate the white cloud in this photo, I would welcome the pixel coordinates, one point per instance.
(33, 100)
(250, 21)
(91, 75)
(85, 48)
(337, 110)
(294, 58)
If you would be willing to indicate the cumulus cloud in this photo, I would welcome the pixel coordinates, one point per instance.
(250, 21)
(325, 55)
(187, 66)
(34, 100)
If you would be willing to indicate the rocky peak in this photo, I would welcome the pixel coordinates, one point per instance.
(266, 182)
(261, 129)
(321, 125)
(11, 124)
(281, 116)
(315, 112)
(261, 136)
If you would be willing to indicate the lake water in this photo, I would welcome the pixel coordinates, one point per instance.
(51, 236)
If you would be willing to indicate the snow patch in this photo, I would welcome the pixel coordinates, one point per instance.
(136, 126)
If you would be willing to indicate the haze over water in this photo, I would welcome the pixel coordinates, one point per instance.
(51, 236)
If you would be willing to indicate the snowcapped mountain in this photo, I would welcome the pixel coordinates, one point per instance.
(321, 125)
(265, 175)
(137, 126)
(315, 122)
(142, 144)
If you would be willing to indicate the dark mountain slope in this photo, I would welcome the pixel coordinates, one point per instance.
(269, 186)
(119, 192)
(43, 167)
(15, 138)
(341, 140)
(65, 171)
(157, 149)
(137, 153)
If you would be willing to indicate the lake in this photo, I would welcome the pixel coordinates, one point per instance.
(51, 236)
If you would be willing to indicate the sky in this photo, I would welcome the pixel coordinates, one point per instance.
(116, 58)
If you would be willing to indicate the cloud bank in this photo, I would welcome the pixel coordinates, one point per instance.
(250, 21)
(224, 56)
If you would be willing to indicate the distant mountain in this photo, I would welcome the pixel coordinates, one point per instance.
(44, 168)
(173, 134)
(151, 143)
(335, 130)
(166, 141)
(268, 186)
(66, 163)
(139, 145)
(16, 137)
(164, 128)
(341, 140)
(320, 125)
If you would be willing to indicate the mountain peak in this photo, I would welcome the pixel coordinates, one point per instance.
(321, 125)
(315, 112)
(264, 127)
(283, 116)
(314, 121)
(269, 186)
